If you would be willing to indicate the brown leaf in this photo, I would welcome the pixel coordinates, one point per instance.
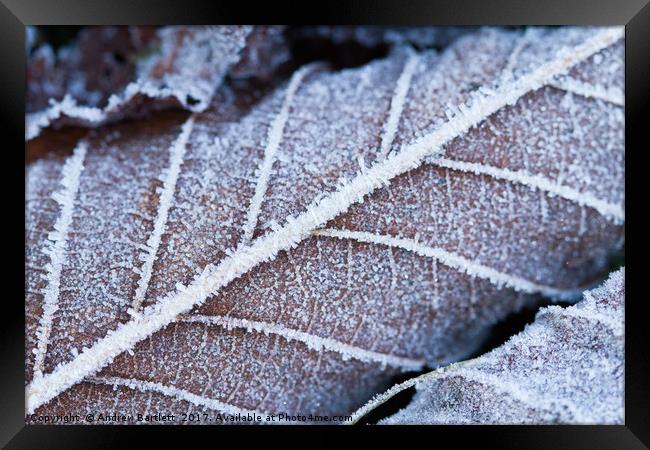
(118, 72)
(294, 258)
(100, 63)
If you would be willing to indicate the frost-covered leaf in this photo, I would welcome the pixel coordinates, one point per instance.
(100, 62)
(350, 225)
(566, 367)
(115, 72)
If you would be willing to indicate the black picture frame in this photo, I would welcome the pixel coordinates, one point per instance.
(634, 14)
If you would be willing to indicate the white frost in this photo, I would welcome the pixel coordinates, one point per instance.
(273, 142)
(610, 210)
(170, 391)
(397, 104)
(55, 249)
(312, 341)
(452, 260)
(176, 154)
(612, 95)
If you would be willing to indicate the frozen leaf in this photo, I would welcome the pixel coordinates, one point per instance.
(567, 367)
(100, 62)
(349, 225)
(185, 69)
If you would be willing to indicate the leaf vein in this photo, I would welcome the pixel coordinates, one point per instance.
(55, 249)
(312, 341)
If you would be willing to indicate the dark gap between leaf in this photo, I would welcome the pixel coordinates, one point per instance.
(119, 57)
(618, 261)
(340, 55)
(58, 36)
(513, 324)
